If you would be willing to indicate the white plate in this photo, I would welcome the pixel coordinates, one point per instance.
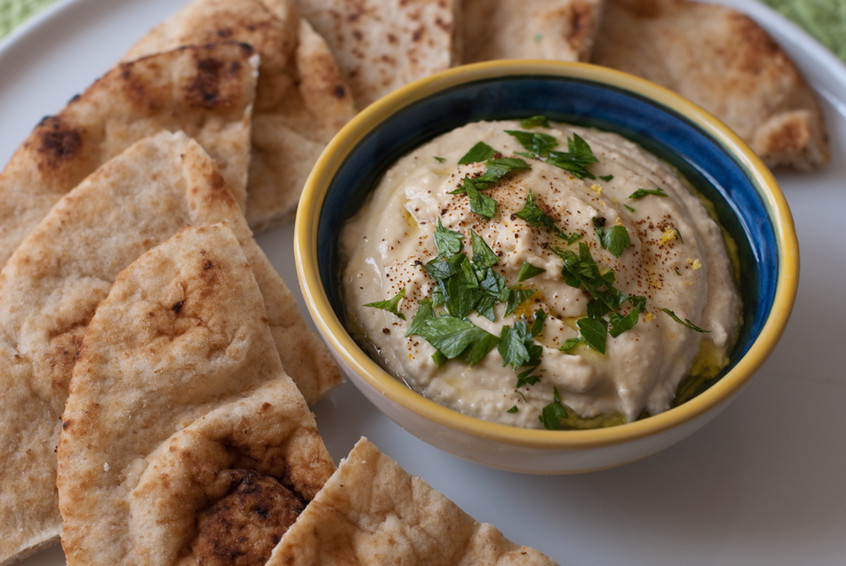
(763, 484)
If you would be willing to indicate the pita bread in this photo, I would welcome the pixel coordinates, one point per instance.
(54, 281)
(301, 100)
(723, 61)
(380, 46)
(530, 29)
(371, 511)
(180, 416)
(206, 91)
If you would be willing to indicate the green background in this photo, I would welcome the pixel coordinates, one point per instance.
(824, 19)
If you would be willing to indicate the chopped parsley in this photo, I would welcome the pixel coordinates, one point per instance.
(391, 305)
(535, 122)
(640, 193)
(542, 146)
(686, 322)
(478, 153)
(615, 239)
(552, 414)
(535, 216)
(581, 270)
(464, 285)
(495, 169)
(527, 271)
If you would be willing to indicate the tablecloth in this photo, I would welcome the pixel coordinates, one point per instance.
(824, 19)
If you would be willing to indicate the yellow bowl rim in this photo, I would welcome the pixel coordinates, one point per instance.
(305, 255)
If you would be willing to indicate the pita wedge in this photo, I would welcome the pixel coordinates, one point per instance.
(301, 101)
(183, 440)
(52, 284)
(381, 46)
(723, 61)
(529, 29)
(371, 511)
(207, 92)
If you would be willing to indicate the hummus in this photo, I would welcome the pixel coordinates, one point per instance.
(607, 281)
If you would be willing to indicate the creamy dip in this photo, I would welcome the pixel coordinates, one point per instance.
(676, 260)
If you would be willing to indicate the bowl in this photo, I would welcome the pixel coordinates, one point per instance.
(746, 199)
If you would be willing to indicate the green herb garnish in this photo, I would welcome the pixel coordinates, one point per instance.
(495, 169)
(552, 414)
(615, 239)
(478, 153)
(535, 216)
(640, 193)
(449, 242)
(606, 178)
(457, 338)
(576, 160)
(538, 143)
(686, 322)
(391, 305)
(517, 346)
(535, 122)
(527, 271)
(480, 203)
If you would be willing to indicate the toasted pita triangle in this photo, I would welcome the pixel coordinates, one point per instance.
(381, 46)
(179, 397)
(54, 281)
(529, 29)
(207, 92)
(301, 101)
(725, 62)
(371, 511)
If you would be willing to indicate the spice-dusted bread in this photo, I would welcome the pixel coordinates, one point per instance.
(722, 60)
(301, 99)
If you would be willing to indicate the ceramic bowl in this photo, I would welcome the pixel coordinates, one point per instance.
(747, 200)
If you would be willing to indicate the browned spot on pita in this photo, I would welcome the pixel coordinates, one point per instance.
(244, 525)
(58, 142)
(209, 88)
(582, 18)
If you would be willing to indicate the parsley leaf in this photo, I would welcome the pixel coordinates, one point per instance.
(686, 322)
(552, 414)
(391, 305)
(449, 242)
(594, 332)
(576, 160)
(480, 203)
(620, 323)
(527, 271)
(615, 239)
(539, 144)
(535, 216)
(478, 153)
(495, 170)
(517, 347)
(535, 122)
(425, 311)
(640, 193)
(457, 337)
(483, 255)
(516, 296)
